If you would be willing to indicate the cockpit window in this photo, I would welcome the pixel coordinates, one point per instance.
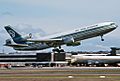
(112, 24)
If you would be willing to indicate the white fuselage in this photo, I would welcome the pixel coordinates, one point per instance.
(95, 59)
(77, 34)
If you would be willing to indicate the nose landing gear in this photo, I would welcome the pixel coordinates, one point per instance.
(102, 38)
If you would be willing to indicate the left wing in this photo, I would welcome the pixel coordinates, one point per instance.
(44, 40)
(50, 42)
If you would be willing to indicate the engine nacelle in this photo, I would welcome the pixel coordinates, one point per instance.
(68, 40)
(27, 37)
(73, 44)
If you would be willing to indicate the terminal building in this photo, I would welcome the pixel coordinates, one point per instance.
(46, 59)
(115, 51)
(36, 58)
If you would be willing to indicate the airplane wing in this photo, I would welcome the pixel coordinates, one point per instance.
(16, 45)
(47, 41)
(44, 40)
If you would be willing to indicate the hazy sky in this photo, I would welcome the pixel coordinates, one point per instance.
(52, 16)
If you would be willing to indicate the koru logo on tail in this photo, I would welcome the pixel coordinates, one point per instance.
(12, 33)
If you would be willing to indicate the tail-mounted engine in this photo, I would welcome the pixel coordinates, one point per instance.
(26, 37)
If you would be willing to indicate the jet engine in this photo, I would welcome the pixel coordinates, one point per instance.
(27, 37)
(69, 41)
(73, 44)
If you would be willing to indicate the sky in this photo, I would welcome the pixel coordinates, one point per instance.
(44, 17)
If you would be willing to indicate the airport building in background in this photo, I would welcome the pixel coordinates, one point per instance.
(48, 59)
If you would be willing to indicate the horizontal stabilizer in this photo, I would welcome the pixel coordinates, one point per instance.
(16, 45)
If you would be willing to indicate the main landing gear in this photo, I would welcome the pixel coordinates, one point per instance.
(58, 49)
(102, 38)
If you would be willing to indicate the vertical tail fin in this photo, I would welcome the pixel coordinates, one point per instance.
(15, 36)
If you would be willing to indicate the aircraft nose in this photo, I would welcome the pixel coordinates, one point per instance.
(116, 26)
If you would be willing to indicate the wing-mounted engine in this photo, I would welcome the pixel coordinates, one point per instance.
(73, 44)
(69, 41)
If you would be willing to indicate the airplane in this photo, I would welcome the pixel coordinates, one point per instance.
(69, 38)
(95, 60)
